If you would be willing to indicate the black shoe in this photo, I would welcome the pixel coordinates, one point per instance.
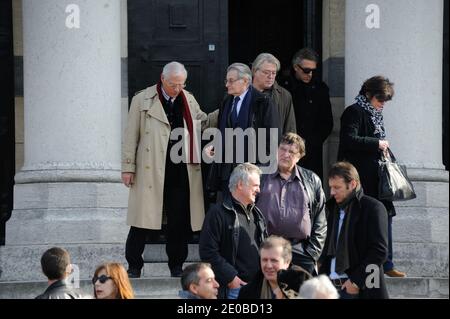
(134, 273)
(176, 271)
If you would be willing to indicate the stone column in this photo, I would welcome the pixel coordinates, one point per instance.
(403, 40)
(68, 192)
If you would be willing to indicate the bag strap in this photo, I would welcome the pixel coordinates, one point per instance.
(390, 156)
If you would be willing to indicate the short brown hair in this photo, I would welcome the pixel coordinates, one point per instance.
(379, 87)
(294, 139)
(345, 170)
(54, 263)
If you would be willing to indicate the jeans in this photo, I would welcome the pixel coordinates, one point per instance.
(233, 293)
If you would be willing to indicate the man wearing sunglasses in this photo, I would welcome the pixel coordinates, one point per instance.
(313, 115)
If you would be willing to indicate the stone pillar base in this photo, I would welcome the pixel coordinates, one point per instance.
(421, 227)
(68, 213)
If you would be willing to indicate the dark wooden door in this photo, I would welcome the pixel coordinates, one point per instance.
(193, 32)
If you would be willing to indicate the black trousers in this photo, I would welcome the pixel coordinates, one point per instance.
(178, 227)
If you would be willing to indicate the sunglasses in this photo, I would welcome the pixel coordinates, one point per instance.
(306, 70)
(102, 279)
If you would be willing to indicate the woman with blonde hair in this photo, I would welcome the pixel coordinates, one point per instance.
(111, 282)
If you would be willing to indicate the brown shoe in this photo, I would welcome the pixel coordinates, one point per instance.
(395, 273)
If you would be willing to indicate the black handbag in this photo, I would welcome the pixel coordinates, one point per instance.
(393, 184)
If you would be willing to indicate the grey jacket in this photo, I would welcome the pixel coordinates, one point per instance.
(283, 100)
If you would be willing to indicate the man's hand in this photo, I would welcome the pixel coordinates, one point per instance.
(350, 287)
(128, 179)
(236, 283)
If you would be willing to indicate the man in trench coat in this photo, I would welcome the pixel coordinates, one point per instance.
(160, 186)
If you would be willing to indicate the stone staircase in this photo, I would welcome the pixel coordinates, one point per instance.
(160, 286)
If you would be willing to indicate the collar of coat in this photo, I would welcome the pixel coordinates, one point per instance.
(158, 112)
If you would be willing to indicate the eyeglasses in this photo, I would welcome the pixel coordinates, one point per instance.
(102, 279)
(306, 70)
(231, 81)
(267, 72)
(174, 86)
(285, 150)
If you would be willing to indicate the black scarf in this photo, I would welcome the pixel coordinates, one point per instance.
(341, 249)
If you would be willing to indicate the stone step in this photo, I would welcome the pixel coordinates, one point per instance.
(22, 262)
(153, 288)
(167, 288)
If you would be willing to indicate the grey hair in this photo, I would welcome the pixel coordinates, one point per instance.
(190, 274)
(241, 173)
(242, 69)
(265, 57)
(305, 54)
(318, 288)
(173, 68)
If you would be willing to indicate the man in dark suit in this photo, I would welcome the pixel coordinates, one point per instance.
(357, 243)
(312, 106)
(243, 108)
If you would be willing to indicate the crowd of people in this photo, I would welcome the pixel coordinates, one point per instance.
(268, 234)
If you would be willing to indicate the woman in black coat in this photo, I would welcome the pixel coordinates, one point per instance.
(363, 140)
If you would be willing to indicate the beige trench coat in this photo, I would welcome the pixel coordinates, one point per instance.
(144, 153)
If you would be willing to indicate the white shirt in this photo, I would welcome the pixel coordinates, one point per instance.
(333, 274)
(166, 96)
(239, 104)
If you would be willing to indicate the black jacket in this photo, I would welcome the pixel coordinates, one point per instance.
(263, 114)
(359, 146)
(313, 245)
(253, 289)
(368, 240)
(219, 240)
(60, 290)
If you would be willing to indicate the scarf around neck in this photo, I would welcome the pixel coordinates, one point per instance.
(192, 158)
(339, 247)
(376, 116)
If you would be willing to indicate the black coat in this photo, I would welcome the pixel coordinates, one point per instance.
(368, 243)
(263, 114)
(253, 289)
(60, 290)
(314, 119)
(219, 240)
(359, 146)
